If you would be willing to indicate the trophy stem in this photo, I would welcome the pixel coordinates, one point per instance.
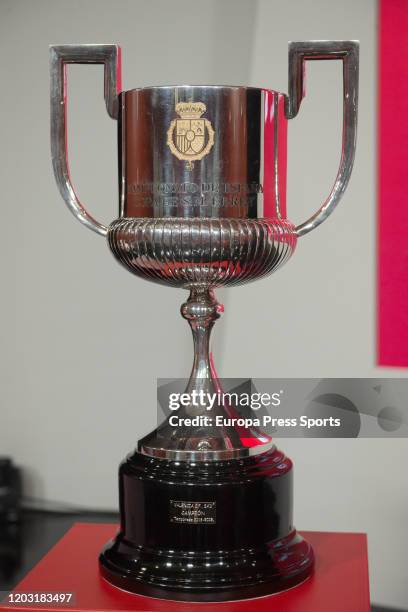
(201, 311)
(217, 433)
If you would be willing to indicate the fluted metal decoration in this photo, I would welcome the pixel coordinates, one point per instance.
(202, 204)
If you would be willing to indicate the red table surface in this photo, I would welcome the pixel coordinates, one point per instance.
(340, 582)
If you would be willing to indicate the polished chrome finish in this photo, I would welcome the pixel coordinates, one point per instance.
(202, 199)
(60, 56)
(348, 52)
(146, 447)
(241, 142)
(201, 252)
(212, 443)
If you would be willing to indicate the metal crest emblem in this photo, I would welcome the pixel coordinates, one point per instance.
(190, 138)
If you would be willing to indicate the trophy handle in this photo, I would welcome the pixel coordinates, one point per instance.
(60, 55)
(348, 52)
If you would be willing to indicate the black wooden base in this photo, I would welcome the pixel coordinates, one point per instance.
(211, 531)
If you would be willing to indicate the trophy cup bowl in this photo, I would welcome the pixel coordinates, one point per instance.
(207, 252)
(206, 514)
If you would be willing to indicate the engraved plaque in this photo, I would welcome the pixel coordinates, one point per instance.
(193, 512)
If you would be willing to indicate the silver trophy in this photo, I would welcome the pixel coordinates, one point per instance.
(202, 204)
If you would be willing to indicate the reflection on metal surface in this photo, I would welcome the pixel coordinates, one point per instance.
(210, 442)
(201, 252)
(238, 172)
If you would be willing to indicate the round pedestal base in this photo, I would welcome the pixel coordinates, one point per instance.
(213, 531)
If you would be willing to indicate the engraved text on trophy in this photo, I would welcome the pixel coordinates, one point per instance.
(195, 199)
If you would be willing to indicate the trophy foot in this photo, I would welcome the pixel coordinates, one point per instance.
(206, 531)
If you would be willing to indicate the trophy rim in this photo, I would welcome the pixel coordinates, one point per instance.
(188, 455)
(202, 86)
